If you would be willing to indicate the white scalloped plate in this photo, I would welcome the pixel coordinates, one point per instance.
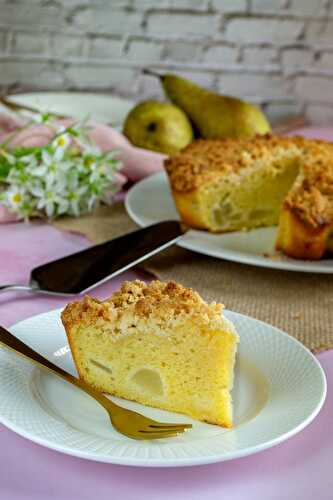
(279, 389)
(254, 247)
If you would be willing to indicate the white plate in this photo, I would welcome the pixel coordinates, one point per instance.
(245, 247)
(102, 108)
(279, 388)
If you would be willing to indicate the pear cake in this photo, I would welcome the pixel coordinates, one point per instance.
(239, 184)
(159, 344)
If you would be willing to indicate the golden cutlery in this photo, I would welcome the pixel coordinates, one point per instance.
(127, 422)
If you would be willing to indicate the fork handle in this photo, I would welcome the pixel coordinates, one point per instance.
(19, 347)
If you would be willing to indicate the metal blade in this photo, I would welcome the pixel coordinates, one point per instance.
(84, 270)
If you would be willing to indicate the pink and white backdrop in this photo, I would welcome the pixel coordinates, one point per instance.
(278, 53)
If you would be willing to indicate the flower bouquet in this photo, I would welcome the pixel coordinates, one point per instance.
(68, 175)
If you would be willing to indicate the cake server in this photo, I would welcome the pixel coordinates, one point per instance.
(84, 270)
(127, 422)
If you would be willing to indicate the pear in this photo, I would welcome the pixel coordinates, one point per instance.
(158, 126)
(214, 116)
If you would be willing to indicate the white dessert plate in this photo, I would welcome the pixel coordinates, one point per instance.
(102, 108)
(150, 201)
(279, 389)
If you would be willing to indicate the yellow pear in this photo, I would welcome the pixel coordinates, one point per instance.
(214, 115)
(158, 126)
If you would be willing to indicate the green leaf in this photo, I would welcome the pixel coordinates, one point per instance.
(72, 131)
(5, 167)
(23, 151)
(45, 117)
(4, 171)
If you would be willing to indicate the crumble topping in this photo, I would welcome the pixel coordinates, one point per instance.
(311, 197)
(167, 303)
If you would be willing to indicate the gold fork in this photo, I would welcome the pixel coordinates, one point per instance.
(127, 422)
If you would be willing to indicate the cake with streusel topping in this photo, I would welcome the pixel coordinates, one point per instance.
(236, 184)
(159, 344)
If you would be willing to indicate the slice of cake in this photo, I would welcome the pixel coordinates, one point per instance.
(159, 344)
(306, 219)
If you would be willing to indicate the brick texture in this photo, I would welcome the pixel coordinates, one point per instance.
(277, 53)
(105, 47)
(181, 24)
(254, 86)
(258, 56)
(221, 54)
(253, 30)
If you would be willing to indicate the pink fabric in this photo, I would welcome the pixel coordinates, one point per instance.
(299, 469)
(138, 163)
(6, 216)
(322, 133)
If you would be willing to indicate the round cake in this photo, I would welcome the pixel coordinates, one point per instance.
(241, 184)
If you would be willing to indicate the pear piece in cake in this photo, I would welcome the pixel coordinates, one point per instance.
(159, 344)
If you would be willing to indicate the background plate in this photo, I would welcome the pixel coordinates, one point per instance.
(102, 108)
(279, 388)
(248, 247)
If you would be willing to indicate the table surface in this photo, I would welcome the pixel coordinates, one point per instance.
(299, 468)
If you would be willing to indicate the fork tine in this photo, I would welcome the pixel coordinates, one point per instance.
(157, 435)
(162, 429)
(170, 426)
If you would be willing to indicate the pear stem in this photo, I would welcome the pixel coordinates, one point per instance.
(149, 72)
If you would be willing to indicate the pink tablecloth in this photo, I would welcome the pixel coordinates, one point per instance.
(300, 469)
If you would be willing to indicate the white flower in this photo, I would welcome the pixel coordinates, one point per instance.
(47, 158)
(59, 178)
(61, 141)
(37, 191)
(63, 207)
(60, 144)
(15, 197)
(29, 159)
(40, 171)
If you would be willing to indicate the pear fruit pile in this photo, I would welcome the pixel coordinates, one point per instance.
(157, 126)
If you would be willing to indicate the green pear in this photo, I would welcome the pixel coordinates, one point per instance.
(158, 126)
(214, 116)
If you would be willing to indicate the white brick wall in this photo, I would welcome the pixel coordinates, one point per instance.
(144, 51)
(278, 53)
(258, 56)
(315, 88)
(256, 87)
(256, 30)
(220, 53)
(182, 24)
(103, 18)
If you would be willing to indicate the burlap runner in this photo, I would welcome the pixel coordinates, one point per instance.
(299, 303)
